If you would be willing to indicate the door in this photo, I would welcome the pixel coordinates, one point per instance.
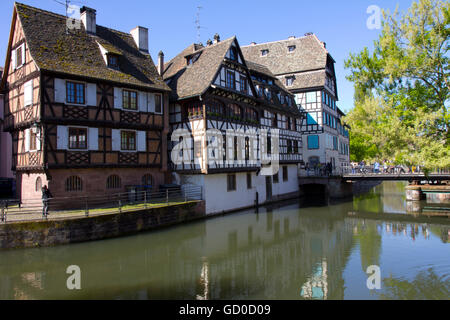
(268, 187)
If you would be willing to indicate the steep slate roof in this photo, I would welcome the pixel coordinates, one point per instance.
(309, 54)
(193, 80)
(77, 53)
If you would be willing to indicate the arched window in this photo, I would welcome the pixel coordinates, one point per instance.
(74, 183)
(113, 182)
(147, 180)
(38, 184)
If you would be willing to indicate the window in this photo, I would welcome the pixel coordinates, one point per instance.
(233, 54)
(313, 142)
(194, 109)
(268, 94)
(230, 80)
(231, 182)
(234, 110)
(33, 137)
(77, 138)
(243, 83)
(247, 148)
(235, 148)
(269, 145)
(74, 183)
(19, 56)
(264, 52)
(289, 146)
(215, 107)
(38, 184)
(158, 103)
(129, 100)
(289, 81)
(311, 119)
(285, 173)
(311, 97)
(147, 180)
(251, 114)
(75, 92)
(291, 48)
(113, 61)
(275, 178)
(335, 143)
(128, 140)
(249, 180)
(296, 146)
(113, 182)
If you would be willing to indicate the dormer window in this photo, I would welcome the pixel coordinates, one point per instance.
(264, 52)
(291, 48)
(289, 81)
(113, 61)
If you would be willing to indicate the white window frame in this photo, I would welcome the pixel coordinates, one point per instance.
(23, 56)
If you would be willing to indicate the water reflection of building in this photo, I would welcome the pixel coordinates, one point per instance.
(265, 255)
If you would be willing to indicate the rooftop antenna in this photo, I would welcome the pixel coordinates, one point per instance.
(66, 4)
(197, 23)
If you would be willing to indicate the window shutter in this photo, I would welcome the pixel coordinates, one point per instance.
(115, 140)
(13, 60)
(118, 98)
(28, 93)
(142, 100)
(91, 94)
(27, 140)
(38, 142)
(141, 143)
(60, 90)
(62, 138)
(93, 138)
(23, 54)
(151, 102)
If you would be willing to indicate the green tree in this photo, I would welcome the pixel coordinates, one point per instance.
(402, 89)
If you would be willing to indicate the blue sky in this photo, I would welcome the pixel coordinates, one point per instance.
(341, 24)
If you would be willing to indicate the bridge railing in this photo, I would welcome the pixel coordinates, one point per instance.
(70, 207)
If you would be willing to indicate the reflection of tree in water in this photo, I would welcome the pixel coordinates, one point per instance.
(369, 241)
(427, 285)
(442, 232)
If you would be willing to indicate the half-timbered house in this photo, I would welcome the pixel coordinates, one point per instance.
(85, 105)
(306, 68)
(213, 90)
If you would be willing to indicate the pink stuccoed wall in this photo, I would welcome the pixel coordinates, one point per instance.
(5, 146)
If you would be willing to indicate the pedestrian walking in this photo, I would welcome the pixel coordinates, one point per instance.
(46, 196)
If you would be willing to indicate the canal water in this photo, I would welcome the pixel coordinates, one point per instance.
(305, 249)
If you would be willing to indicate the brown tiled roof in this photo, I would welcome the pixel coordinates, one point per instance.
(309, 79)
(277, 86)
(193, 80)
(309, 54)
(77, 53)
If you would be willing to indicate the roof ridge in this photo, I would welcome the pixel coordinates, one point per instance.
(270, 42)
(57, 15)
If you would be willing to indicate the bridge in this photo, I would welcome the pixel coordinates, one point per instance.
(396, 177)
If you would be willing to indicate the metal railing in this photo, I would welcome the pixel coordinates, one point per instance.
(69, 207)
(322, 171)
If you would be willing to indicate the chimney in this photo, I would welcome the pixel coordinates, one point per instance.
(291, 38)
(140, 36)
(160, 63)
(216, 38)
(209, 42)
(88, 17)
(324, 44)
(253, 43)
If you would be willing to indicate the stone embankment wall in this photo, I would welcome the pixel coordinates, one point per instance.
(56, 232)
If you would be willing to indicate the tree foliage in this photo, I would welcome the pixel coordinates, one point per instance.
(402, 89)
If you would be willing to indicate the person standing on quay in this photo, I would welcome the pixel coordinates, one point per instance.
(46, 195)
